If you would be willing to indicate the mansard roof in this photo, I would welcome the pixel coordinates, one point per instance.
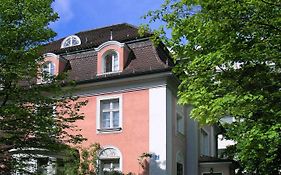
(144, 57)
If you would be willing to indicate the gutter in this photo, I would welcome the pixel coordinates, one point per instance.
(121, 76)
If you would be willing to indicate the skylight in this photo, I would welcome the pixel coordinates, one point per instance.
(70, 41)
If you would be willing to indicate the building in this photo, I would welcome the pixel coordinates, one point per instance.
(132, 103)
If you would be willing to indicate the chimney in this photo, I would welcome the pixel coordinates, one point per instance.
(111, 34)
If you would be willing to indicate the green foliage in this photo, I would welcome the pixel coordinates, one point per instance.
(227, 56)
(27, 117)
(89, 160)
(69, 162)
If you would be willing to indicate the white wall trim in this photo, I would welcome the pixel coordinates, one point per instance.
(108, 43)
(214, 163)
(50, 55)
(157, 130)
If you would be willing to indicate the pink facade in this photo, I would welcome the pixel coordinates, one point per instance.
(132, 140)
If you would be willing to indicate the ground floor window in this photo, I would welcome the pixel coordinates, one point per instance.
(110, 160)
(180, 163)
(179, 169)
(109, 165)
(34, 164)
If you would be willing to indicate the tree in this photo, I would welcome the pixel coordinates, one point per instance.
(227, 56)
(27, 115)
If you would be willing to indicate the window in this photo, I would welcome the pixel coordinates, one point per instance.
(110, 160)
(180, 119)
(48, 71)
(180, 163)
(109, 114)
(42, 164)
(110, 62)
(37, 164)
(204, 143)
(70, 41)
(179, 169)
(112, 56)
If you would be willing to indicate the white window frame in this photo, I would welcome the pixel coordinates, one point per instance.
(98, 114)
(50, 70)
(71, 38)
(202, 145)
(113, 70)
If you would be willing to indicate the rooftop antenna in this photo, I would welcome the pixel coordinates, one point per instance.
(111, 34)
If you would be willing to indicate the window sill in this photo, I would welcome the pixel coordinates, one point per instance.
(108, 73)
(109, 130)
(42, 82)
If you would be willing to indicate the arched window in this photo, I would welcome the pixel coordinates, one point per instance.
(110, 160)
(110, 62)
(70, 41)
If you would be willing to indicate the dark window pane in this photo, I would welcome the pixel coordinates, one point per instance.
(179, 169)
(108, 63)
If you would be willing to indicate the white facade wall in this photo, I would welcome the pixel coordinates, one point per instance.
(157, 130)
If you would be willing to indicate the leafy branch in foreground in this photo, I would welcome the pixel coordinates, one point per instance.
(227, 56)
(39, 116)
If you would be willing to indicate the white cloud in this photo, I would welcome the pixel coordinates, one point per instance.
(63, 8)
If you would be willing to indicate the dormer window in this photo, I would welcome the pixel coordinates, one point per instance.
(110, 62)
(112, 57)
(70, 41)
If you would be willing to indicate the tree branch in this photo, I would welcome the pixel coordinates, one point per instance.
(271, 3)
(6, 98)
(269, 25)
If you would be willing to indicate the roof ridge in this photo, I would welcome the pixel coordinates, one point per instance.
(98, 28)
(94, 37)
(114, 25)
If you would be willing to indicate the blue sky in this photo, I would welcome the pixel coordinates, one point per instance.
(81, 15)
